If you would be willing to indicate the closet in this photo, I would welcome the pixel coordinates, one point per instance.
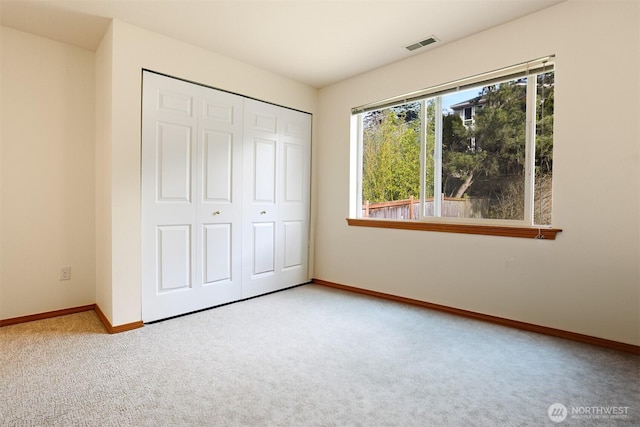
(225, 197)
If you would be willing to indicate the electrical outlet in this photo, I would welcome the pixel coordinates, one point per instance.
(65, 273)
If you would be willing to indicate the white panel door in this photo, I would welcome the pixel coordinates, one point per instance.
(219, 186)
(277, 149)
(191, 204)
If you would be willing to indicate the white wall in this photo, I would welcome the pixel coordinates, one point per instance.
(104, 105)
(587, 281)
(132, 50)
(47, 149)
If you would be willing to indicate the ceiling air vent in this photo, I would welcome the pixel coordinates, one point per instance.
(422, 43)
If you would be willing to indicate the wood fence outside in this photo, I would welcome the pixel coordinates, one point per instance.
(452, 207)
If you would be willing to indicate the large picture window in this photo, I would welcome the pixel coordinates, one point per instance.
(478, 150)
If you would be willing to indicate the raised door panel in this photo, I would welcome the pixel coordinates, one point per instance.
(294, 173)
(294, 236)
(174, 258)
(263, 121)
(264, 171)
(218, 166)
(174, 103)
(221, 108)
(218, 257)
(174, 152)
(263, 249)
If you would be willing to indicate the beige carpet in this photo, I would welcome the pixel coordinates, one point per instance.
(307, 356)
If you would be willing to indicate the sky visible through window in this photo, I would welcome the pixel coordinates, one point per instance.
(457, 97)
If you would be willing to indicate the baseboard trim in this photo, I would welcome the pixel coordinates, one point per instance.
(49, 314)
(573, 336)
(116, 329)
(46, 315)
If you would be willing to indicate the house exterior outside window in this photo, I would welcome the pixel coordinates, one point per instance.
(467, 110)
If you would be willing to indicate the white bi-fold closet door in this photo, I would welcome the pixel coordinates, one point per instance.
(225, 197)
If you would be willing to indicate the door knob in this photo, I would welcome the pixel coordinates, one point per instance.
(216, 213)
(263, 212)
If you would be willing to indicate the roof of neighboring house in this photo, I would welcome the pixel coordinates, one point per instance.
(471, 102)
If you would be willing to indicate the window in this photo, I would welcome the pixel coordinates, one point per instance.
(467, 113)
(476, 151)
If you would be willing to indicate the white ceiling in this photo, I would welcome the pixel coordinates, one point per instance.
(314, 42)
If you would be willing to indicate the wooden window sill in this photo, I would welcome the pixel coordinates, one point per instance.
(488, 230)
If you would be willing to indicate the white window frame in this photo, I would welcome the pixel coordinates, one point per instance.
(528, 69)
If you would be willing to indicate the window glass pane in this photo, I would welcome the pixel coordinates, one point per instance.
(391, 162)
(429, 164)
(544, 149)
(483, 159)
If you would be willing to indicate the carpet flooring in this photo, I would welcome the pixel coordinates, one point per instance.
(309, 356)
